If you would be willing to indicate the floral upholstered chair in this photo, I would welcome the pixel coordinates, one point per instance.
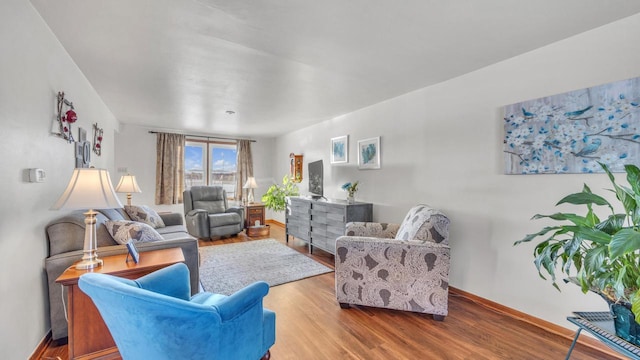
(401, 267)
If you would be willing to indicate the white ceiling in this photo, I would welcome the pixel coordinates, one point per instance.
(286, 64)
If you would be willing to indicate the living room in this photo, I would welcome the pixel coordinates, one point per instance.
(441, 144)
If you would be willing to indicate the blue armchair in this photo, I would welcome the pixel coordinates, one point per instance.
(155, 317)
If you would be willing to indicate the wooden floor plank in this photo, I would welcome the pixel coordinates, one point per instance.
(311, 325)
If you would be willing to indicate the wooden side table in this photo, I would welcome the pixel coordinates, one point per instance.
(254, 212)
(89, 337)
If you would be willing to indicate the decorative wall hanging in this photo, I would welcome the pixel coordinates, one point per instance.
(83, 154)
(340, 149)
(572, 132)
(295, 167)
(97, 139)
(369, 153)
(66, 116)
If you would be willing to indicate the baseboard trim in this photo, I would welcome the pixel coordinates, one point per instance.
(550, 327)
(275, 222)
(38, 353)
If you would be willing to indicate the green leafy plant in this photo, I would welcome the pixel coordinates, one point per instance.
(274, 198)
(604, 253)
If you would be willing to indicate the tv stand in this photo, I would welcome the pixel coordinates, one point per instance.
(320, 223)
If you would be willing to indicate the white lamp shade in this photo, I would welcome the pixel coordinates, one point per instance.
(128, 184)
(89, 188)
(251, 183)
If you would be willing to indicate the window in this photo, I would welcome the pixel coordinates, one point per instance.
(209, 162)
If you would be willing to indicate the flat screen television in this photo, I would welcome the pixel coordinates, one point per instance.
(315, 179)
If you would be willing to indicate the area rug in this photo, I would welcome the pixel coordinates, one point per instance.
(225, 269)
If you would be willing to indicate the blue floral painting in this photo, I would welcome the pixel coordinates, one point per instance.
(369, 153)
(574, 131)
(340, 149)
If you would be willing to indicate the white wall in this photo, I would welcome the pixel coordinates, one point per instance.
(136, 151)
(442, 145)
(33, 68)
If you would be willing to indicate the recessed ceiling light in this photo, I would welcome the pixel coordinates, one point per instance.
(230, 112)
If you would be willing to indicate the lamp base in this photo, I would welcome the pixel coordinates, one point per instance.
(90, 256)
(89, 264)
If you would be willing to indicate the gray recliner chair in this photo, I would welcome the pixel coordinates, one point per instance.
(207, 213)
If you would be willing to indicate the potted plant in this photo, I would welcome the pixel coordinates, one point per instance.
(275, 197)
(604, 253)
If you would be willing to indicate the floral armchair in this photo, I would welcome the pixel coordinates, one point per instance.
(401, 267)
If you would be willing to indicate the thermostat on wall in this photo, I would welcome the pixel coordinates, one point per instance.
(37, 175)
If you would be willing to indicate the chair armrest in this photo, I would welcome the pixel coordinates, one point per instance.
(242, 300)
(171, 281)
(372, 229)
(170, 219)
(237, 210)
(197, 221)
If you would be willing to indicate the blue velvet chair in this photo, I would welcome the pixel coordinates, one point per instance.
(155, 317)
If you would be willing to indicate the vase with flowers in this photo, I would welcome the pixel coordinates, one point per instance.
(351, 189)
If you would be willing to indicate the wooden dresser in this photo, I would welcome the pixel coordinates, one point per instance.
(320, 222)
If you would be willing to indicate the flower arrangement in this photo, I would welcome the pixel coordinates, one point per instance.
(351, 188)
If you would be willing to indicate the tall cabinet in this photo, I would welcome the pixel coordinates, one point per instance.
(320, 222)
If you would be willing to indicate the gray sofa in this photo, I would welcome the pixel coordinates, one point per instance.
(65, 237)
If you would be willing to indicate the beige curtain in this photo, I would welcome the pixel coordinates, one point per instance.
(245, 167)
(169, 169)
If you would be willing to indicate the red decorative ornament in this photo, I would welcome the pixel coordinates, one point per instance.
(71, 116)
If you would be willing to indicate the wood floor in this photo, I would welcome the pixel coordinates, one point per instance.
(311, 325)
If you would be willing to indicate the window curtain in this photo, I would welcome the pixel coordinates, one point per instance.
(169, 169)
(245, 167)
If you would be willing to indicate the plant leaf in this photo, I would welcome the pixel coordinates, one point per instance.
(584, 198)
(623, 242)
(635, 305)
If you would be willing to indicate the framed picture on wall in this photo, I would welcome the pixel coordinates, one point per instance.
(369, 153)
(340, 150)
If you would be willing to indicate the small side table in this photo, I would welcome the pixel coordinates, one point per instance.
(600, 325)
(254, 212)
(89, 337)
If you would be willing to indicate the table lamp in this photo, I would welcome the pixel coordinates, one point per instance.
(89, 188)
(128, 184)
(250, 184)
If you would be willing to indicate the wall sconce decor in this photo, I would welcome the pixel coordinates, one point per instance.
(97, 139)
(66, 118)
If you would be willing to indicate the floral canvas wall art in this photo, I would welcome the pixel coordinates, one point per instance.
(369, 153)
(572, 132)
(340, 149)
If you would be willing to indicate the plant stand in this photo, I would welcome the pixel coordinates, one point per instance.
(600, 325)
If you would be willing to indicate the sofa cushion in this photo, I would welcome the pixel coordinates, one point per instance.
(122, 231)
(67, 233)
(115, 214)
(144, 214)
(421, 223)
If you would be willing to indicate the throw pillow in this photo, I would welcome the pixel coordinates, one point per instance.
(123, 230)
(144, 214)
(417, 225)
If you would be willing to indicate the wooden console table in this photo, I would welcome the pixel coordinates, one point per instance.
(89, 337)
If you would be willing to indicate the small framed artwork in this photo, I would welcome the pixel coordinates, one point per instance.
(340, 150)
(369, 153)
(133, 252)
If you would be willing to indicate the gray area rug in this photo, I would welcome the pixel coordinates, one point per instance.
(225, 269)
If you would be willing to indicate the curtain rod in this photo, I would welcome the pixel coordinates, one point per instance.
(203, 136)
